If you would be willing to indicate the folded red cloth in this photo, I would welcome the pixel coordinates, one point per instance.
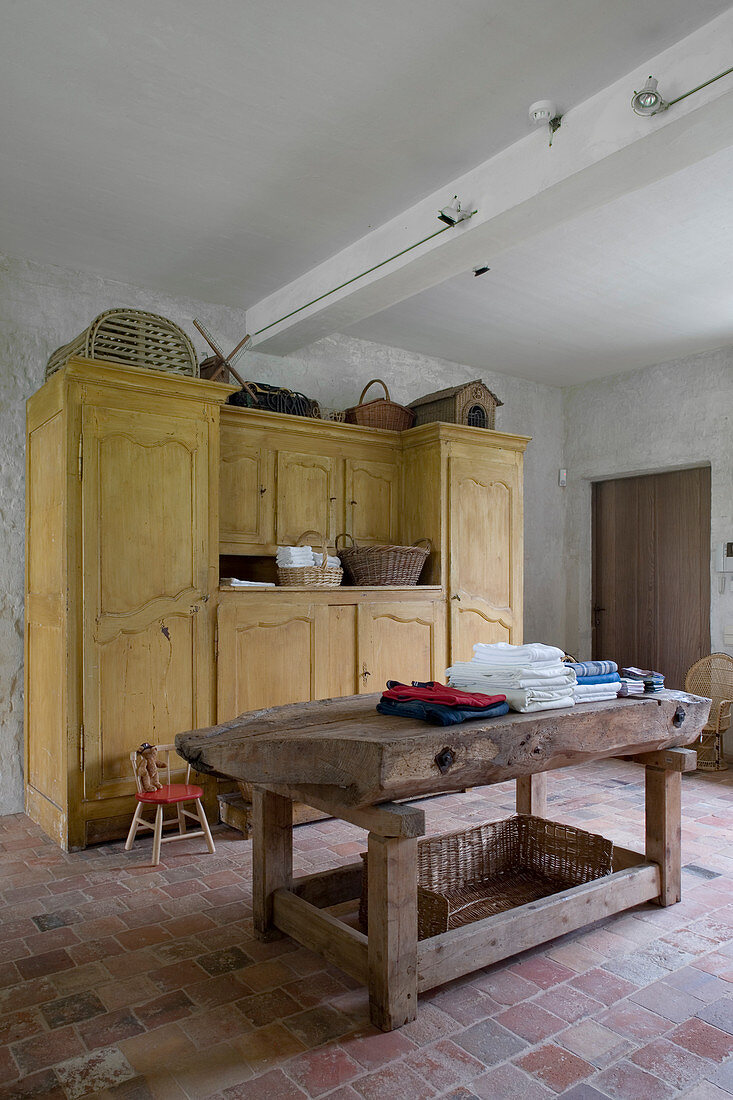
(445, 696)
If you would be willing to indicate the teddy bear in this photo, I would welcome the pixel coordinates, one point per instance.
(147, 767)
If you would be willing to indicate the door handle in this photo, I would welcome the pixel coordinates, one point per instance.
(597, 615)
(456, 597)
(365, 673)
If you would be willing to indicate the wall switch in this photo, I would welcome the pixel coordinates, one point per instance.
(562, 478)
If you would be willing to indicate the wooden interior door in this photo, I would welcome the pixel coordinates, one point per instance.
(145, 505)
(651, 571)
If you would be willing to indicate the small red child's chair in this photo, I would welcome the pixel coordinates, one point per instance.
(171, 794)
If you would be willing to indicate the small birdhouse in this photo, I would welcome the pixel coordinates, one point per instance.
(472, 404)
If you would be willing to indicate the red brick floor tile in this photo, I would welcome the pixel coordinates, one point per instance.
(91, 1072)
(663, 999)
(20, 1025)
(374, 1049)
(464, 1002)
(625, 1081)
(320, 1071)
(555, 1067)
(268, 1047)
(72, 1009)
(39, 966)
(44, 1084)
(634, 1022)
(597, 1044)
(319, 988)
(8, 1066)
(509, 1083)
(490, 1042)
(156, 1051)
(542, 971)
(264, 1008)
(444, 1064)
(164, 1010)
(265, 975)
(530, 1021)
(45, 1049)
(208, 1072)
(706, 1090)
(270, 1086)
(603, 986)
(217, 991)
(119, 994)
(395, 1081)
(506, 988)
(703, 1039)
(430, 1025)
(568, 1003)
(110, 1028)
(671, 1063)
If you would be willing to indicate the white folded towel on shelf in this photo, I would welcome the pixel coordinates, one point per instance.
(503, 653)
(299, 557)
(234, 582)
(611, 690)
(595, 698)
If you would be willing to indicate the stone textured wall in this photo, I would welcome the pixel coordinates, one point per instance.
(42, 307)
(667, 416)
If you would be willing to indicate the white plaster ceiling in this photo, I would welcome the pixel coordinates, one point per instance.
(643, 279)
(220, 149)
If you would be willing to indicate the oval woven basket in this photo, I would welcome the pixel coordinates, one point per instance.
(310, 576)
(380, 413)
(133, 337)
(383, 564)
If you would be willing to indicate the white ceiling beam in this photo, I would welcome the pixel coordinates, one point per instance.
(601, 152)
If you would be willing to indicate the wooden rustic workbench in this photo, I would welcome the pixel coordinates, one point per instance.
(343, 757)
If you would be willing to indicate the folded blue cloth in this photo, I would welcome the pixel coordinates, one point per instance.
(605, 678)
(592, 668)
(437, 714)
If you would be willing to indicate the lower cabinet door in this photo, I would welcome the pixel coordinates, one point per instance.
(400, 641)
(266, 656)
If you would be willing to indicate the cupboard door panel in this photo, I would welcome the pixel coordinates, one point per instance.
(399, 641)
(145, 518)
(267, 657)
(372, 490)
(305, 496)
(245, 503)
(485, 573)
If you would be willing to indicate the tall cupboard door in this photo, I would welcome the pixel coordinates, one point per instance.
(307, 494)
(372, 492)
(400, 641)
(145, 516)
(485, 569)
(245, 496)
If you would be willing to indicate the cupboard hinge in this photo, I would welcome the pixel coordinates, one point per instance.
(81, 456)
(216, 642)
(81, 747)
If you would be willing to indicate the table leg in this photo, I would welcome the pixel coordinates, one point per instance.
(392, 932)
(272, 856)
(532, 794)
(663, 829)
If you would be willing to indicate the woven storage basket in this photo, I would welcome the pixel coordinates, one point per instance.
(466, 876)
(383, 565)
(311, 576)
(133, 337)
(381, 413)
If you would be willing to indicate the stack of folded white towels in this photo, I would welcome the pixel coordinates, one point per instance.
(532, 677)
(298, 557)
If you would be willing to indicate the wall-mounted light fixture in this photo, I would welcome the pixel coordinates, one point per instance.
(649, 100)
(452, 213)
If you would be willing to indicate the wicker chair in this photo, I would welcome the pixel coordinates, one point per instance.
(712, 677)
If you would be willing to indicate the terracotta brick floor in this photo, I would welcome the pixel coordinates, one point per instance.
(118, 979)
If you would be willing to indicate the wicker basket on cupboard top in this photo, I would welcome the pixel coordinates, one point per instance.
(132, 337)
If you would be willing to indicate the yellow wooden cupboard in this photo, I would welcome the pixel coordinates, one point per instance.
(141, 484)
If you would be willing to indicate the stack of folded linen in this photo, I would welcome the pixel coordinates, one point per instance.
(438, 704)
(653, 681)
(298, 557)
(532, 677)
(597, 680)
(631, 687)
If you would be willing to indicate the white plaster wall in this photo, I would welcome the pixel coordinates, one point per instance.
(668, 416)
(42, 307)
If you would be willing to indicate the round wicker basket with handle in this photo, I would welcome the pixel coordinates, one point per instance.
(383, 412)
(310, 576)
(382, 564)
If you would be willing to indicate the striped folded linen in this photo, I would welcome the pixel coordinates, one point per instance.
(592, 668)
(631, 687)
(604, 678)
(503, 653)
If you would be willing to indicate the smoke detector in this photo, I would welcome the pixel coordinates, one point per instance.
(543, 111)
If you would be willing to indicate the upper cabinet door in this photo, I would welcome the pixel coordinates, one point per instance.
(372, 490)
(306, 496)
(245, 496)
(485, 522)
(145, 514)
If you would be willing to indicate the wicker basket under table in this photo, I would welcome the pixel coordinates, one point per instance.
(479, 872)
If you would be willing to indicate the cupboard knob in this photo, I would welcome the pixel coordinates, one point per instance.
(456, 598)
(332, 498)
(263, 490)
(353, 502)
